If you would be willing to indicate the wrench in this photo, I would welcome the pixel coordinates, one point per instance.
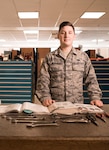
(32, 125)
(30, 121)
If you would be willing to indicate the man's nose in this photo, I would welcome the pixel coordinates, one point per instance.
(66, 34)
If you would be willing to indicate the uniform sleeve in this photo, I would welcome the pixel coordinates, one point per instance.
(90, 80)
(43, 82)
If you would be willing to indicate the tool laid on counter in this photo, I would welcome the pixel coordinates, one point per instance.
(42, 124)
(106, 114)
(67, 116)
(82, 120)
(6, 115)
(74, 118)
(39, 120)
(30, 121)
(91, 118)
(100, 116)
(21, 116)
(25, 118)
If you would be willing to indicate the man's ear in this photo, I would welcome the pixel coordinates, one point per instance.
(58, 35)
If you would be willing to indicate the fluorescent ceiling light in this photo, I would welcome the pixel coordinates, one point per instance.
(16, 48)
(2, 40)
(78, 31)
(99, 40)
(32, 40)
(7, 45)
(31, 32)
(92, 15)
(28, 15)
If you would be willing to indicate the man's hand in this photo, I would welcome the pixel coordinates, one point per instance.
(48, 102)
(98, 103)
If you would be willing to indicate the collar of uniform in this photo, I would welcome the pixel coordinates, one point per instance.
(58, 51)
(74, 51)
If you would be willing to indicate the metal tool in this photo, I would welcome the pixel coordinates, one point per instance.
(32, 125)
(100, 116)
(106, 114)
(31, 121)
(75, 120)
(63, 116)
(17, 115)
(25, 118)
(91, 118)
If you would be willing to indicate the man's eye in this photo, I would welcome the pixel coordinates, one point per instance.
(62, 32)
(70, 32)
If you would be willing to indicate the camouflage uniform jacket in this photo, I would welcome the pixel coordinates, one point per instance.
(62, 79)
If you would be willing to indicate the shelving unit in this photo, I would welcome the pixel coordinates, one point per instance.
(102, 72)
(16, 81)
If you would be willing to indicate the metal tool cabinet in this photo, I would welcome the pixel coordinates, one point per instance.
(102, 73)
(16, 81)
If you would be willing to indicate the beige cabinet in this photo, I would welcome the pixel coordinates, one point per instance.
(41, 53)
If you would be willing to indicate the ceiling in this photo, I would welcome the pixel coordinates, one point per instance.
(51, 14)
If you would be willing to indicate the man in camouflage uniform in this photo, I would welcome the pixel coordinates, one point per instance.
(63, 72)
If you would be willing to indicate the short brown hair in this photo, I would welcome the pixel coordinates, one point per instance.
(66, 23)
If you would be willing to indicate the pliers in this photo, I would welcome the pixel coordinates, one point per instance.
(100, 116)
(106, 114)
(91, 118)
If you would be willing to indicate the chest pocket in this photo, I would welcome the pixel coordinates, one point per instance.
(55, 67)
(78, 66)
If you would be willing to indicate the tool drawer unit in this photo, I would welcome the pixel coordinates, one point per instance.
(16, 79)
(102, 73)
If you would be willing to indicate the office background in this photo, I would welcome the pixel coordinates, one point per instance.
(41, 30)
(34, 35)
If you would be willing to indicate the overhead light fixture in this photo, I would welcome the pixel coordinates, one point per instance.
(28, 15)
(78, 31)
(92, 15)
(99, 40)
(32, 40)
(2, 40)
(31, 32)
(6, 45)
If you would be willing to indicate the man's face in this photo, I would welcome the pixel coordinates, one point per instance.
(66, 36)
